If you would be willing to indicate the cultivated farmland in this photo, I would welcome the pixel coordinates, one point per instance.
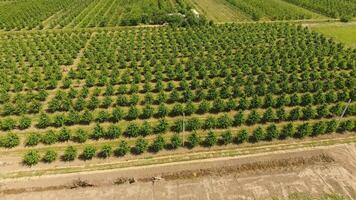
(252, 82)
(90, 85)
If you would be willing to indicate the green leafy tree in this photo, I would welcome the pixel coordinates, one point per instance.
(132, 130)
(158, 144)
(331, 126)
(33, 139)
(141, 146)
(162, 111)
(133, 113)
(8, 124)
(319, 128)
(176, 141)
(50, 156)
(117, 114)
(193, 124)
(308, 113)
(258, 134)
(24, 122)
(203, 107)
(44, 121)
(272, 132)
(103, 116)
(49, 138)
(88, 152)
(268, 115)
(242, 136)
(98, 132)
(224, 122)
(210, 139)
(287, 131)
(87, 117)
(294, 114)
(162, 126)
(10, 140)
(70, 154)
(239, 119)
(122, 149)
(80, 136)
(112, 132)
(226, 138)
(210, 123)
(106, 151)
(59, 120)
(303, 130)
(64, 135)
(347, 125)
(146, 129)
(31, 158)
(253, 118)
(193, 140)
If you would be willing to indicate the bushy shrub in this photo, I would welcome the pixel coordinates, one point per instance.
(70, 154)
(50, 156)
(31, 158)
(88, 152)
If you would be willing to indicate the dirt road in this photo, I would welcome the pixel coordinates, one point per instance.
(317, 170)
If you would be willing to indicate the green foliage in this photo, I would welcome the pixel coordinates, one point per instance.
(112, 132)
(226, 138)
(176, 141)
(105, 151)
(44, 121)
(288, 130)
(141, 146)
(132, 130)
(70, 154)
(88, 152)
(303, 130)
(49, 138)
(50, 156)
(33, 139)
(210, 139)
(64, 135)
(24, 122)
(158, 144)
(242, 136)
(193, 140)
(258, 134)
(80, 136)
(272, 132)
(10, 140)
(345, 18)
(98, 132)
(31, 158)
(122, 149)
(8, 124)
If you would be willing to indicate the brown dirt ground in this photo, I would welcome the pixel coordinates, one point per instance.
(319, 170)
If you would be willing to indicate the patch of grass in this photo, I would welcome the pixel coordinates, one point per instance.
(218, 10)
(344, 33)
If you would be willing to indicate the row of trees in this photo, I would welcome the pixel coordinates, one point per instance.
(203, 54)
(269, 114)
(141, 145)
(271, 10)
(29, 14)
(134, 130)
(331, 8)
(118, 114)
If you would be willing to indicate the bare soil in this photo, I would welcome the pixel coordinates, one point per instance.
(314, 170)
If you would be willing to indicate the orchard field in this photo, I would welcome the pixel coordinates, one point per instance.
(77, 83)
(64, 14)
(145, 88)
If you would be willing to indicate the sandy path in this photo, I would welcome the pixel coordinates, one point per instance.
(231, 178)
